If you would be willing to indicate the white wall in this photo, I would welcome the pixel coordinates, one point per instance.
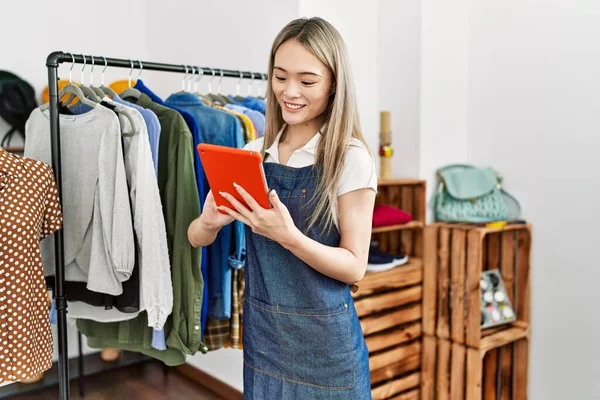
(444, 85)
(398, 70)
(534, 115)
(211, 34)
(356, 20)
(33, 29)
(514, 85)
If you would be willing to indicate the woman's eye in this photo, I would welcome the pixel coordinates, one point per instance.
(280, 78)
(305, 83)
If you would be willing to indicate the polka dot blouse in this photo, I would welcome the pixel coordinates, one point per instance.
(29, 211)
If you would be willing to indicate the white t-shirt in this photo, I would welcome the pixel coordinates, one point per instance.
(359, 170)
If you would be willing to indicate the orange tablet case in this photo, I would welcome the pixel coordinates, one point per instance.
(225, 165)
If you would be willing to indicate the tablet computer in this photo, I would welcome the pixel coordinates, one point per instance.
(225, 165)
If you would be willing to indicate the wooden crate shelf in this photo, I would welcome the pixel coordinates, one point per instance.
(408, 195)
(392, 228)
(455, 256)
(394, 337)
(400, 182)
(406, 275)
(453, 371)
(402, 388)
(389, 304)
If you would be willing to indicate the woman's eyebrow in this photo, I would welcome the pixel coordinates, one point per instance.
(299, 73)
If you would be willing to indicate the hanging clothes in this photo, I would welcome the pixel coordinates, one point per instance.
(152, 126)
(258, 119)
(252, 103)
(245, 121)
(29, 211)
(192, 124)
(180, 200)
(127, 304)
(219, 128)
(148, 219)
(99, 244)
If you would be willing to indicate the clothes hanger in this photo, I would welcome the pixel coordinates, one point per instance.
(183, 91)
(85, 89)
(237, 86)
(107, 91)
(72, 89)
(204, 98)
(259, 86)
(96, 90)
(224, 99)
(130, 91)
(238, 96)
(214, 96)
(208, 97)
(266, 80)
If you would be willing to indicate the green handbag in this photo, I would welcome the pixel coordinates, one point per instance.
(471, 194)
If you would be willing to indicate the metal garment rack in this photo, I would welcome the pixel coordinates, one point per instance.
(52, 63)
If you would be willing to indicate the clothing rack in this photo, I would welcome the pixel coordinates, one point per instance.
(52, 63)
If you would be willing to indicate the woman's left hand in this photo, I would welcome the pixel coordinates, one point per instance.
(275, 223)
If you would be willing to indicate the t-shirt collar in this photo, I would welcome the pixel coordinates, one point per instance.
(309, 147)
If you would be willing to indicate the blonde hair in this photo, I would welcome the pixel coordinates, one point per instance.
(340, 117)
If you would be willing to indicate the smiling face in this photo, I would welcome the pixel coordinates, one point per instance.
(301, 84)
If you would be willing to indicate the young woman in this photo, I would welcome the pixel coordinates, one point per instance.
(301, 337)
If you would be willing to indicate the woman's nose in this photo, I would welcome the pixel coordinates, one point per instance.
(292, 90)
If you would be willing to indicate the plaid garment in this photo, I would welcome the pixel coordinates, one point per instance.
(241, 281)
(237, 309)
(217, 333)
(235, 313)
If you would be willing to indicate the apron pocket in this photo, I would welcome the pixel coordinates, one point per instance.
(316, 346)
(259, 339)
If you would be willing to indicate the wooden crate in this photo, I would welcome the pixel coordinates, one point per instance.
(390, 312)
(455, 256)
(498, 370)
(389, 304)
(408, 195)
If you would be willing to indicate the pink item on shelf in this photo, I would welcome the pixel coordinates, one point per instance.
(384, 215)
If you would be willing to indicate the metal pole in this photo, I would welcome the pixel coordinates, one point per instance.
(61, 57)
(61, 303)
(80, 365)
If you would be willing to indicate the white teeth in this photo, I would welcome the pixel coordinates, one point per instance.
(294, 106)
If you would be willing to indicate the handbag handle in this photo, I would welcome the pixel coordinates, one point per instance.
(467, 166)
(449, 166)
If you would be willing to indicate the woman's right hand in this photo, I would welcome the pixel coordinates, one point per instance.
(204, 229)
(211, 215)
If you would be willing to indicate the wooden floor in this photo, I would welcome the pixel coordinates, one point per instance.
(140, 382)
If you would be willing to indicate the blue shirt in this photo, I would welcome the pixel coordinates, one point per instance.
(224, 129)
(153, 127)
(251, 102)
(193, 125)
(258, 120)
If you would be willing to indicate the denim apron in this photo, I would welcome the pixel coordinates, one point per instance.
(301, 335)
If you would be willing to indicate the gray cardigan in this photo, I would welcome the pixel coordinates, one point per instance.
(98, 230)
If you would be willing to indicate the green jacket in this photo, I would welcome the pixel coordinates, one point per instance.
(181, 205)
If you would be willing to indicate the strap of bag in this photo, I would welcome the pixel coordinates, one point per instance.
(450, 166)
